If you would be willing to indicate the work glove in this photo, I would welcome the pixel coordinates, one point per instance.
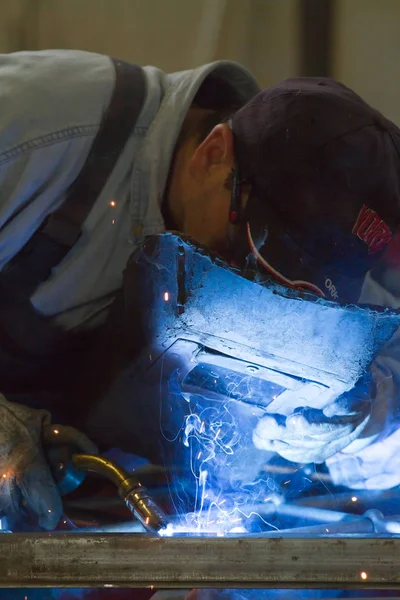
(372, 462)
(26, 482)
(310, 434)
(376, 467)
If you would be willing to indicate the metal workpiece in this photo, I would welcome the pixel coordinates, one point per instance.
(194, 333)
(348, 500)
(340, 550)
(371, 523)
(135, 496)
(215, 353)
(129, 560)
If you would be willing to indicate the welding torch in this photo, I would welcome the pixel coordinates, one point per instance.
(69, 468)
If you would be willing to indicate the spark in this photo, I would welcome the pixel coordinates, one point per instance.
(363, 575)
(354, 498)
(56, 431)
(113, 203)
(166, 296)
(213, 437)
(167, 531)
(113, 222)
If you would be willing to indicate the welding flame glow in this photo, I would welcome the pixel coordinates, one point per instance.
(214, 444)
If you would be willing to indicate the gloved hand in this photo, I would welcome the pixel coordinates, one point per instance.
(313, 435)
(376, 467)
(25, 478)
(373, 461)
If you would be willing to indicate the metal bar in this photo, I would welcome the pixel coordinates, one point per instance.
(129, 560)
(351, 499)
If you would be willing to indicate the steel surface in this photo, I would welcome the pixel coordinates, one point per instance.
(132, 560)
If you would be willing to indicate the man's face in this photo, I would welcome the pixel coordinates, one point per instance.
(200, 191)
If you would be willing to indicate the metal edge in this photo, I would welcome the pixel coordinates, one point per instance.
(130, 560)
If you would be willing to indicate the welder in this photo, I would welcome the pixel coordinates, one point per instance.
(300, 180)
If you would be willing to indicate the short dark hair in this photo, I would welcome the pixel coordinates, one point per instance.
(220, 99)
(200, 128)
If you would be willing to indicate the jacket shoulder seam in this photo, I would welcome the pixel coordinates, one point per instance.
(47, 140)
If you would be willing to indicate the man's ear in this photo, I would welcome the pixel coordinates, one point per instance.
(214, 153)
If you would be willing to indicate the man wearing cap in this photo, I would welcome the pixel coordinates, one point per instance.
(322, 215)
(302, 178)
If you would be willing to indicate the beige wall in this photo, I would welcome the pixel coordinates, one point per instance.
(367, 51)
(144, 31)
(15, 33)
(171, 34)
(179, 34)
(263, 35)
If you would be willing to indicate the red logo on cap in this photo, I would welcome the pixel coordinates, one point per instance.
(372, 230)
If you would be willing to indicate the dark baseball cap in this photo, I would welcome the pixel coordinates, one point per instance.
(324, 174)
